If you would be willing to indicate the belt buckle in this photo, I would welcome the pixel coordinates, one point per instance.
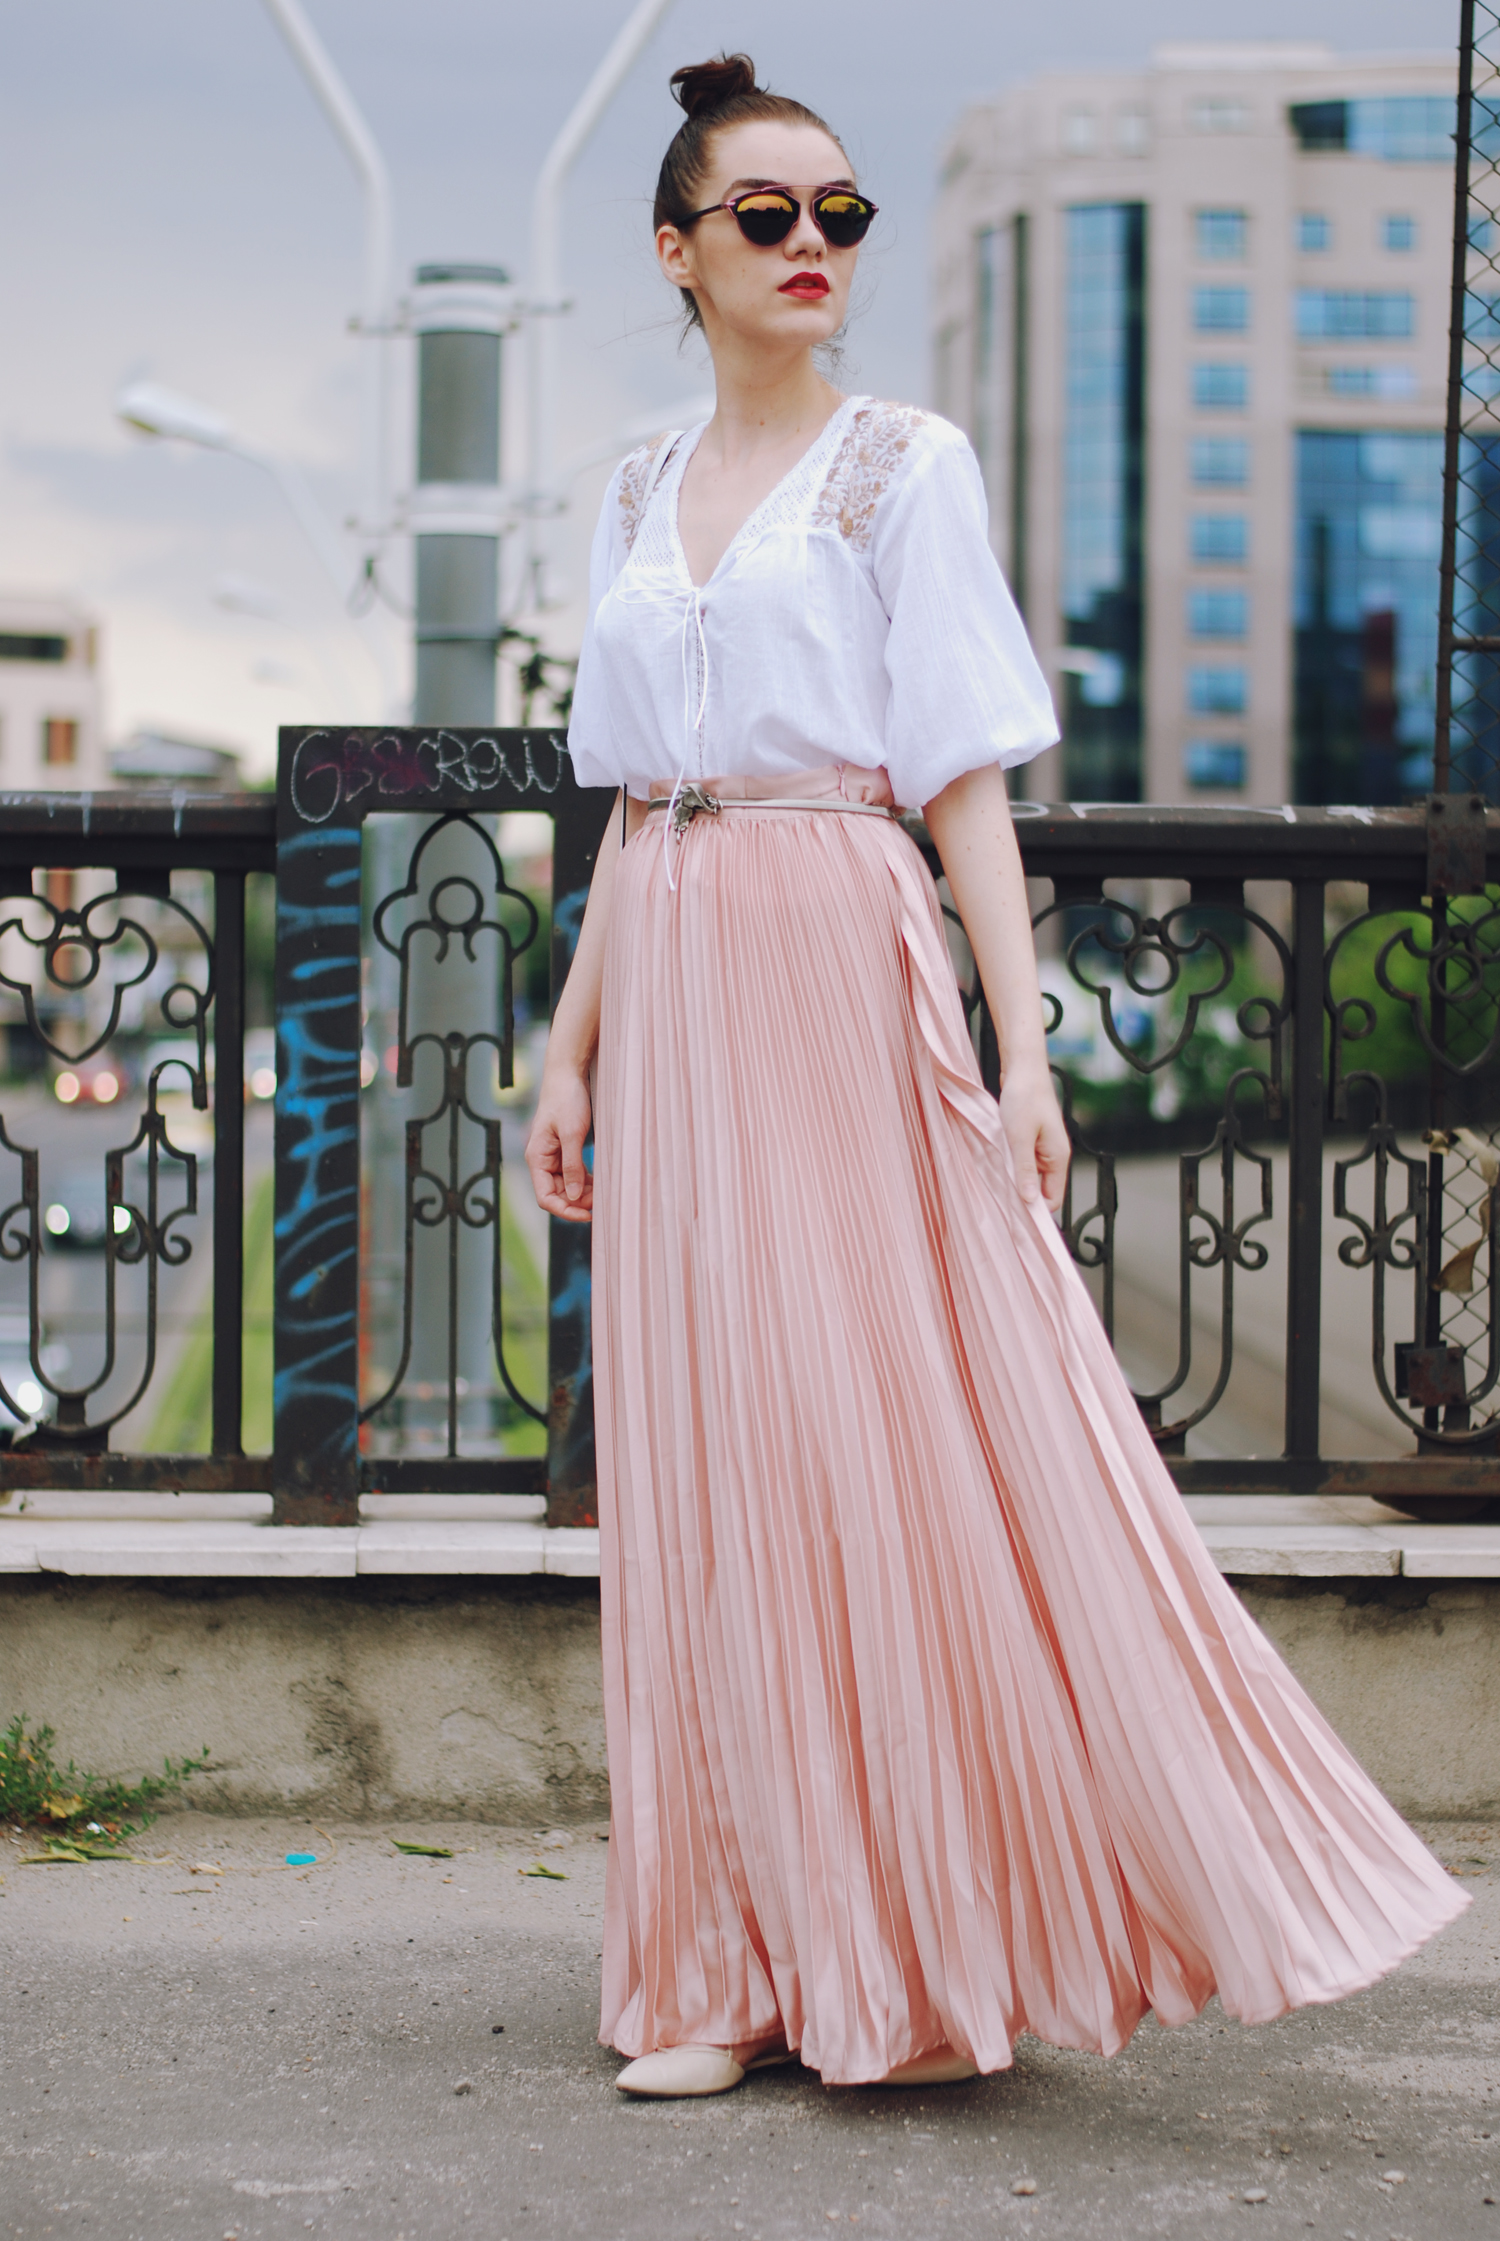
(689, 802)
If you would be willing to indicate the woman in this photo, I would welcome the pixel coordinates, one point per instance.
(929, 1719)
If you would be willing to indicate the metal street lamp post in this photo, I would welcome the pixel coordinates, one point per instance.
(546, 301)
(374, 322)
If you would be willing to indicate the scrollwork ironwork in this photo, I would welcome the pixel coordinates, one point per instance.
(1179, 941)
(137, 1233)
(1447, 1005)
(446, 1192)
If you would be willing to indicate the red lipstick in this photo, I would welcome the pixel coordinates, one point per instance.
(810, 284)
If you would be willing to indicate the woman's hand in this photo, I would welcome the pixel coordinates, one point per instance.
(1038, 1139)
(971, 822)
(554, 1149)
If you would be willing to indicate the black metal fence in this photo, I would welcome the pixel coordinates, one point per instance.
(1284, 1005)
(1301, 1008)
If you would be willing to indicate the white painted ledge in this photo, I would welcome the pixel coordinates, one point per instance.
(1321, 1537)
(1301, 1537)
(212, 1548)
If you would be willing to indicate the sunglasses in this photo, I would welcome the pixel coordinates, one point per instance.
(766, 215)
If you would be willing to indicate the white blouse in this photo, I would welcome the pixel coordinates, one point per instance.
(858, 616)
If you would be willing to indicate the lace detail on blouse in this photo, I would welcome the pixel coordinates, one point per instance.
(862, 468)
(636, 477)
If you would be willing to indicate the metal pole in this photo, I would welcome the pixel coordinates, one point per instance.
(1442, 751)
(1304, 1305)
(459, 314)
(545, 302)
(229, 1158)
(358, 142)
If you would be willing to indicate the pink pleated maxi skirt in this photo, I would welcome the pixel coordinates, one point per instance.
(929, 1720)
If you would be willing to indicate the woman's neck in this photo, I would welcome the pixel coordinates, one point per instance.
(764, 407)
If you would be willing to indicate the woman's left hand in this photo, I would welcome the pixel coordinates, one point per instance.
(1038, 1140)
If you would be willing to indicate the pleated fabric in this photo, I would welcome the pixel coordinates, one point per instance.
(929, 1720)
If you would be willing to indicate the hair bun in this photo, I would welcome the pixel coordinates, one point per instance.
(703, 86)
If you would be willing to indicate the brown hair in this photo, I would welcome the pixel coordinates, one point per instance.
(715, 96)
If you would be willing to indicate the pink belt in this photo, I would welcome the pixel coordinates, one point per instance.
(838, 786)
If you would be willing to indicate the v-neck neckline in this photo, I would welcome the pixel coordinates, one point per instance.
(673, 496)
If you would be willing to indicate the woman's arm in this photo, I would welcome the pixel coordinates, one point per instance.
(554, 1149)
(971, 823)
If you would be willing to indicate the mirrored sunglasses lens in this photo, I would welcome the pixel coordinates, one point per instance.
(844, 218)
(765, 219)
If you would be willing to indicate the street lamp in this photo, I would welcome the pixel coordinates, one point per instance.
(546, 298)
(374, 322)
(166, 416)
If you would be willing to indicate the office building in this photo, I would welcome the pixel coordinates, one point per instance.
(50, 703)
(1195, 319)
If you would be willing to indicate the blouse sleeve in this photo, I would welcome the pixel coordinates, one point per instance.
(965, 687)
(591, 740)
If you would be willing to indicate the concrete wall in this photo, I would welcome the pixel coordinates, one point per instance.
(1408, 1671)
(450, 1697)
(481, 1696)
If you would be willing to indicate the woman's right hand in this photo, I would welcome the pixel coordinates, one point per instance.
(554, 1149)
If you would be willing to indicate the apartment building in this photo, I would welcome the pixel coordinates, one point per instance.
(1195, 319)
(51, 716)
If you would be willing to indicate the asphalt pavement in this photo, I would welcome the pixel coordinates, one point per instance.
(398, 2048)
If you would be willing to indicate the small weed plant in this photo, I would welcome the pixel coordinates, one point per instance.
(36, 1792)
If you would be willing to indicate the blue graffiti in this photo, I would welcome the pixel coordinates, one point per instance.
(312, 965)
(567, 915)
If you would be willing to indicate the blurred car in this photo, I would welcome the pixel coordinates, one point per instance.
(19, 1379)
(94, 1081)
(73, 1211)
(260, 1063)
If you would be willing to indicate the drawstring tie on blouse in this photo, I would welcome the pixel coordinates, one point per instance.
(693, 728)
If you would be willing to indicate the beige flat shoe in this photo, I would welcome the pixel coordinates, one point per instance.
(680, 2073)
(677, 2073)
(931, 2069)
(687, 2071)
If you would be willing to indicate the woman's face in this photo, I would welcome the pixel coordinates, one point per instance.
(796, 292)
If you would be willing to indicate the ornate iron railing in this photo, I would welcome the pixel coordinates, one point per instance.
(1317, 1061)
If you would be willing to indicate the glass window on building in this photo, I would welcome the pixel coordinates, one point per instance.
(1103, 498)
(1404, 128)
(1221, 236)
(1219, 113)
(1398, 230)
(59, 741)
(1475, 733)
(1314, 232)
(1218, 692)
(1221, 311)
(1000, 433)
(1219, 763)
(1355, 314)
(1220, 462)
(1221, 388)
(1221, 537)
(1216, 613)
(1396, 382)
(1368, 532)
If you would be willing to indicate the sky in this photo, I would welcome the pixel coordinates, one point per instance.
(176, 209)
